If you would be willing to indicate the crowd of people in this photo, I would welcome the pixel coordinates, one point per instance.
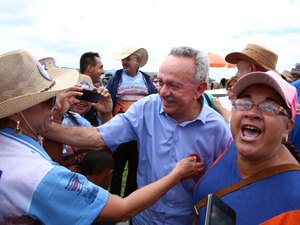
(63, 155)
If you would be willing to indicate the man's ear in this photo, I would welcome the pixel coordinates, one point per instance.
(89, 68)
(201, 87)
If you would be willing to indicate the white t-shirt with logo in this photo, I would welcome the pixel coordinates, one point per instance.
(31, 184)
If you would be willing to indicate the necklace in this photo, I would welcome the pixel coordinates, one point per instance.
(39, 137)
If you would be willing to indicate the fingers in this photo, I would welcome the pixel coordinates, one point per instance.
(103, 91)
(216, 101)
(73, 91)
(189, 167)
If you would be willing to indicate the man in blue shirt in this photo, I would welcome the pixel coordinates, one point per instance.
(167, 126)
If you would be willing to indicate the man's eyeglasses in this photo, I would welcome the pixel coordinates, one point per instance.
(267, 108)
(51, 102)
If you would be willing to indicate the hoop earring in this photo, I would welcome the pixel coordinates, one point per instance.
(284, 140)
(18, 129)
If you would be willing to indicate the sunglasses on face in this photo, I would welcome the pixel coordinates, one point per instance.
(267, 108)
(51, 102)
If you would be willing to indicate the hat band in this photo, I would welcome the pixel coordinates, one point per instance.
(253, 50)
(48, 88)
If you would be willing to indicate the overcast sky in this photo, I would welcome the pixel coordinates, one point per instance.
(65, 29)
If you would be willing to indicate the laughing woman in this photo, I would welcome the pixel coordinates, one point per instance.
(33, 188)
(266, 171)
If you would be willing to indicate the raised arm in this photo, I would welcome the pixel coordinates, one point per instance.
(142, 198)
(104, 105)
(223, 111)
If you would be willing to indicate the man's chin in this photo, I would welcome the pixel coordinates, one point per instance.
(168, 110)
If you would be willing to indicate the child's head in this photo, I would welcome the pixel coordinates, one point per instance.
(97, 166)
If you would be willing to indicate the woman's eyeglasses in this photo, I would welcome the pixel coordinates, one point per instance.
(51, 102)
(267, 108)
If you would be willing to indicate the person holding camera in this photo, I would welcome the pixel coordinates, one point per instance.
(91, 65)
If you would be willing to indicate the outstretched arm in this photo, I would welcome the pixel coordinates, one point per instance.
(81, 137)
(142, 198)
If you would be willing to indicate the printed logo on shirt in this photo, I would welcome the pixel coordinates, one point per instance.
(91, 194)
(74, 184)
(88, 192)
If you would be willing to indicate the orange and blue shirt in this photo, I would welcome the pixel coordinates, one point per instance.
(273, 200)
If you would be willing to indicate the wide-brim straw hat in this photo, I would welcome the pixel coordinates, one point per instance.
(25, 82)
(127, 51)
(255, 54)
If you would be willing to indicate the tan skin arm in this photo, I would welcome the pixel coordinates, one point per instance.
(224, 112)
(54, 150)
(123, 209)
(81, 137)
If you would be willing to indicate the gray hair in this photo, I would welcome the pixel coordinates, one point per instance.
(201, 62)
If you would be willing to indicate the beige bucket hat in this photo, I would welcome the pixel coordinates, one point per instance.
(49, 63)
(255, 54)
(127, 51)
(86, 82)
(25, 82)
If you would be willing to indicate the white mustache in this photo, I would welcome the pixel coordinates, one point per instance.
(170, 99)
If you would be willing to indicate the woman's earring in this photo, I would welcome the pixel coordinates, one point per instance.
(284, 140)
(18, 129)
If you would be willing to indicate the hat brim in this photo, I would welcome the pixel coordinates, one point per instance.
(140, 51)
(259, 78)
(64, 79)
(235, 57)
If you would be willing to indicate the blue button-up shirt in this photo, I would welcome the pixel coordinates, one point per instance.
(162, 142)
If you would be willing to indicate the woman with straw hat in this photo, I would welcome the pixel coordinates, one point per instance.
(33, 188)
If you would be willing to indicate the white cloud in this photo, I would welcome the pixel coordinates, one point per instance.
(65, 29)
